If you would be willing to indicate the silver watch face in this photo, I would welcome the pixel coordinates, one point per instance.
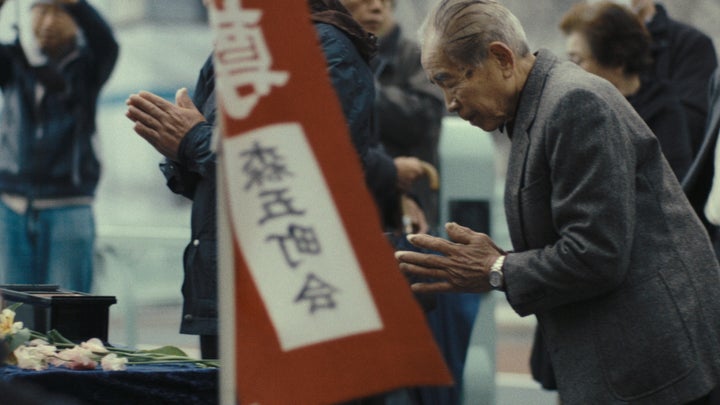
(495, 279)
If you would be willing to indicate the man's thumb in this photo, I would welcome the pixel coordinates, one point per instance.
(458, 233)
(182, 98)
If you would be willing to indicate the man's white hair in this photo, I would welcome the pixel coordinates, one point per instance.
(463, 29)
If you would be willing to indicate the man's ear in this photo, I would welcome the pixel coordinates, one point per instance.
(503, 55)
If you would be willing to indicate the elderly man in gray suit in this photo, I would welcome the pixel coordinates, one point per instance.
(607, 252)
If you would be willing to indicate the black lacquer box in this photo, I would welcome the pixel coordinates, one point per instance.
(77, 316)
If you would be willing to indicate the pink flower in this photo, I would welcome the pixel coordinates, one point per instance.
(112, 362)
(77, 358)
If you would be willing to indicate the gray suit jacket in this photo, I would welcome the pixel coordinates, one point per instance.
(608, 253)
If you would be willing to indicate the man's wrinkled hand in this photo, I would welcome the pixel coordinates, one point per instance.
(462, 266)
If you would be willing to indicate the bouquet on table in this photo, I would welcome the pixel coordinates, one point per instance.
(32, 350)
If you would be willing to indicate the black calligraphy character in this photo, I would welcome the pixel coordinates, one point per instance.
(263, 164)
(243, 60)
(278, 205)
(318, 292)
(305, 240)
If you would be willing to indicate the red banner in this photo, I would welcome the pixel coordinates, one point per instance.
(321, 312)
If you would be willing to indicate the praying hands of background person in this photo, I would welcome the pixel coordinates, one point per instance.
(161, 123)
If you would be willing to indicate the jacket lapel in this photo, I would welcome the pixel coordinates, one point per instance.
(526, 112)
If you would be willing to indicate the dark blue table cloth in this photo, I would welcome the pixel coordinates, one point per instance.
(139, 384)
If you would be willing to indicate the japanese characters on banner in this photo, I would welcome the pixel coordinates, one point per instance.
(321, 311)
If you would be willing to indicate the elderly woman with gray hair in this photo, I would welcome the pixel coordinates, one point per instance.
(609, 40)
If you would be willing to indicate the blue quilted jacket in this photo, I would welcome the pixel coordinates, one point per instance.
(48, 117)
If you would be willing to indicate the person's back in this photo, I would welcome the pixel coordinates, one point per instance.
(660, 108)
(684, 56)
(48, 167)
(347, 50)
(664, 201)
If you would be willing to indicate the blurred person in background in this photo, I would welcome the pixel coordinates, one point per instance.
(389, 178)
(408, 111)
(348, 50)
(608, 40)
(710, 160)
(685, 57)
(49, 169)
(682, 55)
(408, 108)
(182, 132)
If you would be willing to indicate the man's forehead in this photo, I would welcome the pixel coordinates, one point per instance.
(428, 51)
(430, 46)
(434, 59)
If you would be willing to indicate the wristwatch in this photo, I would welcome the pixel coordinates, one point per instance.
(495, 276)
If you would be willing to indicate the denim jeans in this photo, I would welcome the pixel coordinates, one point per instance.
(48, 246)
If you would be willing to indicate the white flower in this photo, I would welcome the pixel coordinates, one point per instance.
(95, 345)
(38, 354)
(31, 357)
(112, 362)
(42, 347)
